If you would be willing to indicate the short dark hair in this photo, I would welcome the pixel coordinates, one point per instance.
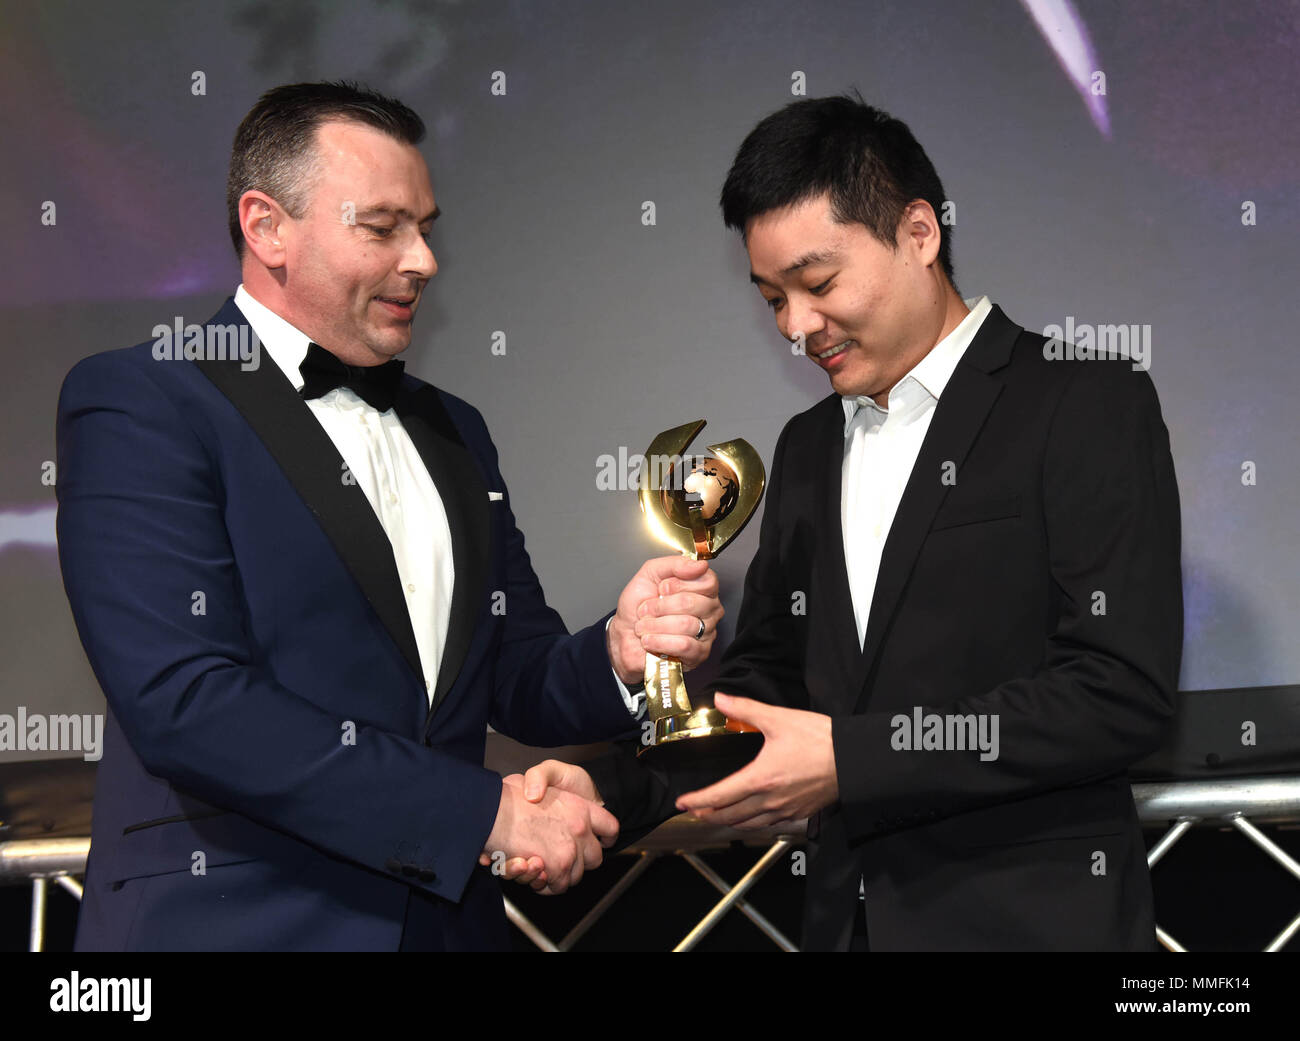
(275, 145)
(868, 161)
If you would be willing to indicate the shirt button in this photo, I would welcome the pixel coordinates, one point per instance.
(392, 498)
(410, 587)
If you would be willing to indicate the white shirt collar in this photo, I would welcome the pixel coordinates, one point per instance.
(931, 374)
(283, 341)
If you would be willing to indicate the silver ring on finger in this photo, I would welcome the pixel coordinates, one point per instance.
(700, 634)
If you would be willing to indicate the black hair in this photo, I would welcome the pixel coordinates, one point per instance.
(867, 161)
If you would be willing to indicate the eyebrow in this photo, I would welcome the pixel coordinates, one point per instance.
(826, 256)
(398, 211)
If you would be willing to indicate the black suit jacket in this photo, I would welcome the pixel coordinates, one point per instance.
(1041, 586)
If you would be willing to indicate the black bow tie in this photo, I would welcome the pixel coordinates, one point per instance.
(376, 385)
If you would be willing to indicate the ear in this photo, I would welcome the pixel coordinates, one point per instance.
(263, 222)
(920, 231)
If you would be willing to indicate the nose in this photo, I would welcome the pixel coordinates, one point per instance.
(800, 316)
(419, 261)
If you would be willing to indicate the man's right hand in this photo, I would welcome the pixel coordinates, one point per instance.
(552, 839)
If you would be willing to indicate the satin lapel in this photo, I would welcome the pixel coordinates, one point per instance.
(464, 499)
(308, 458)
(958, 417)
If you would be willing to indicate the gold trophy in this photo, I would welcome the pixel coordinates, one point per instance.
(697, 512)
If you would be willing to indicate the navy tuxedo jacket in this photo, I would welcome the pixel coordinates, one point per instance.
(273, 776)
(1031, 574)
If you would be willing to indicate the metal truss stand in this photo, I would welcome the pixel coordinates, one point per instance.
(1241, 803)
(1233, 801)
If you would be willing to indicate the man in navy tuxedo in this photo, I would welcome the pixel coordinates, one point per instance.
(301, 586)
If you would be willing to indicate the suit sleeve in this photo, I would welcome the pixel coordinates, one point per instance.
(551, 688)
(140, 533)
(1106, 690)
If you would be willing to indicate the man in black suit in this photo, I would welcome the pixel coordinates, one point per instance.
(963, 622)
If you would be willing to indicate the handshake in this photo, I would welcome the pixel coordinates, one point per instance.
(552, 826)
(550, 829)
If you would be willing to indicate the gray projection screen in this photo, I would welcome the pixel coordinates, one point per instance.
(1161, 197)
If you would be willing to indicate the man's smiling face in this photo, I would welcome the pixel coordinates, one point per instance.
(357, 260)
(865, 311)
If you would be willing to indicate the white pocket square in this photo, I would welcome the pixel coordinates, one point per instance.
(495, 496)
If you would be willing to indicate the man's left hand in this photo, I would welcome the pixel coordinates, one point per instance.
(661, 611)
(792, 777)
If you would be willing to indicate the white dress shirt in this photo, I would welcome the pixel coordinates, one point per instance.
(880, 450)
(386, 465)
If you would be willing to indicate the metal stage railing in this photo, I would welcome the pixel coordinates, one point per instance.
(1241, 802)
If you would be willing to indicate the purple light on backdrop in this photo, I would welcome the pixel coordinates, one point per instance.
(1066, 34)
(112, 196)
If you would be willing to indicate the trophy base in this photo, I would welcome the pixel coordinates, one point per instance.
(700, 747)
